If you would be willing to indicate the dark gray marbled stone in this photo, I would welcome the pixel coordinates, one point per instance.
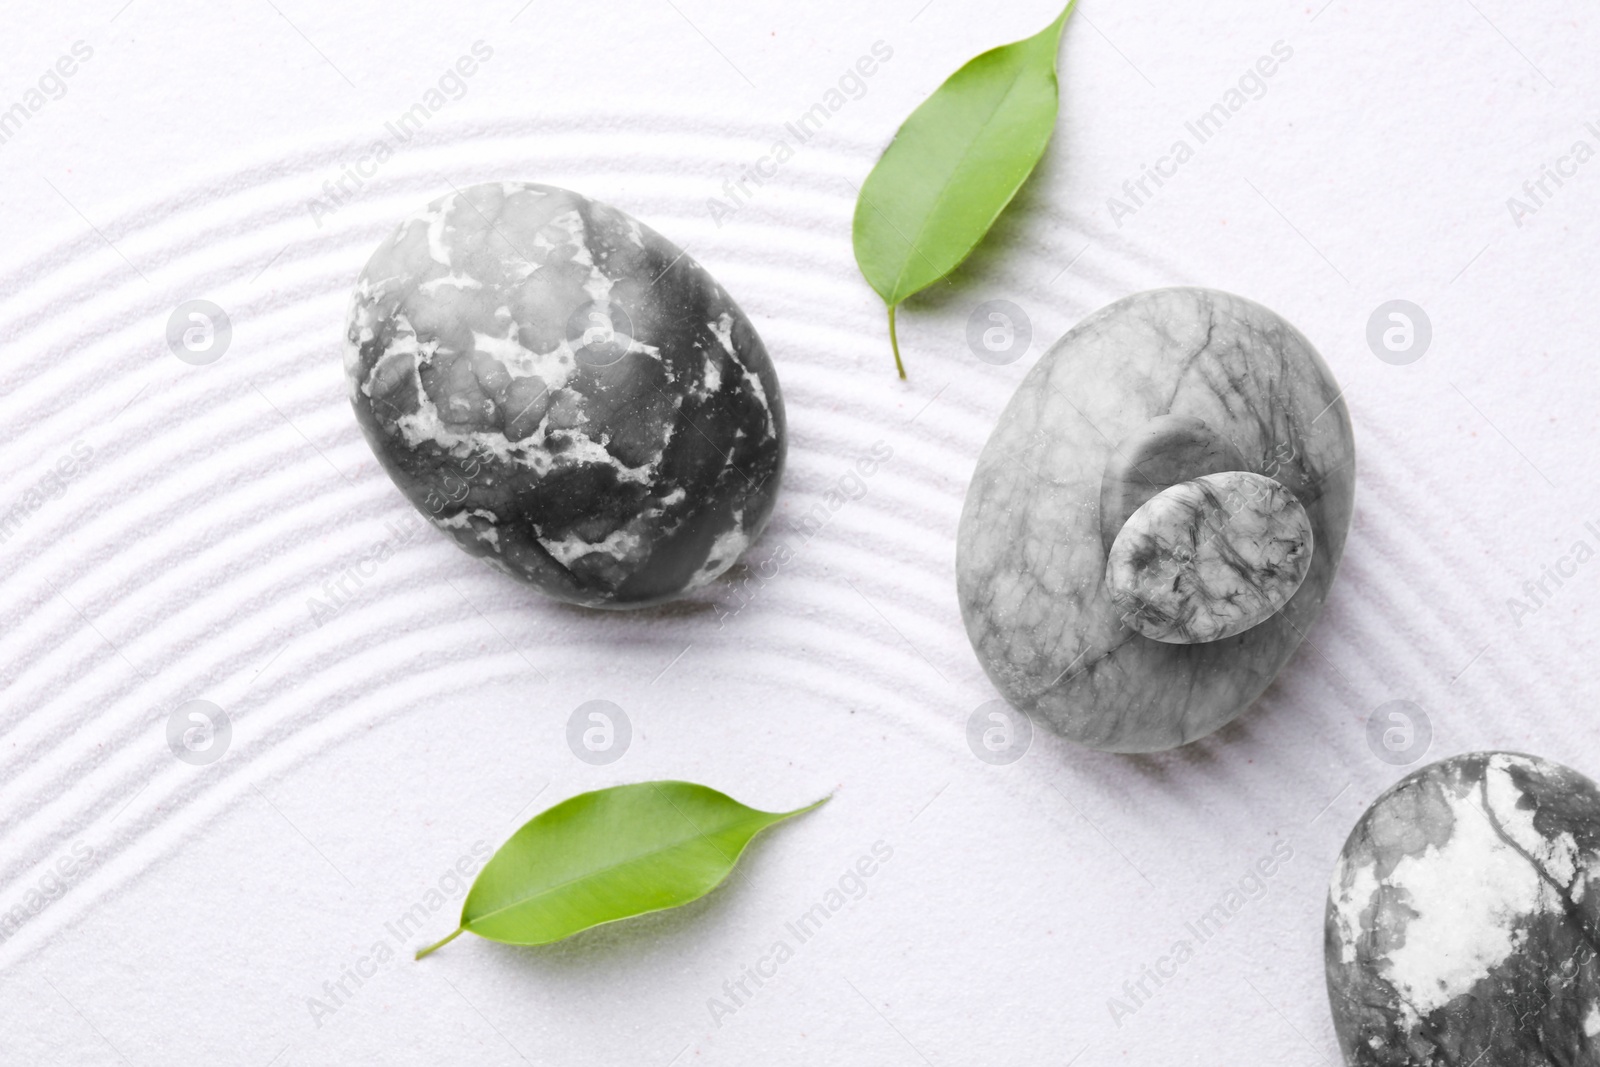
(1209, 558)
(1030, 556)
(566, 393)
(1463, 920)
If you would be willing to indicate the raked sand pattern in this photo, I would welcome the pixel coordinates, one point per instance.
(223, 532)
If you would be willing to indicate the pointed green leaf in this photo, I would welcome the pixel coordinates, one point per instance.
(954, 166)
(608, 855)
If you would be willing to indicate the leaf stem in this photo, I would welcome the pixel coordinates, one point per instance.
(437, 945)
(894, 343)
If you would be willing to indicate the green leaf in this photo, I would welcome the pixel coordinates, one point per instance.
(608, 855)
(954, 166)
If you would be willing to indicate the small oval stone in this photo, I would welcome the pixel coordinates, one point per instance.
(1463, 919)
(566, 393)
(1209, 558)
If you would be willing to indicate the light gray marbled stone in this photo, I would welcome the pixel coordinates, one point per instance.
(1030, 558)
(1209, 558)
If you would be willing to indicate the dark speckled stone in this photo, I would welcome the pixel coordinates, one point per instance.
(1463, 920)
(566, 393)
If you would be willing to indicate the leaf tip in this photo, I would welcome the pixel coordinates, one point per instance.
(1052, 33)
(813, 806)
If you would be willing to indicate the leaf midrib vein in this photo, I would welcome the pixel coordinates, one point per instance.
(547, 890)
(944, 189)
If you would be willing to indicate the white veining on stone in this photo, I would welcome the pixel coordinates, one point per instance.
(1454, 916)
(546, 378)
